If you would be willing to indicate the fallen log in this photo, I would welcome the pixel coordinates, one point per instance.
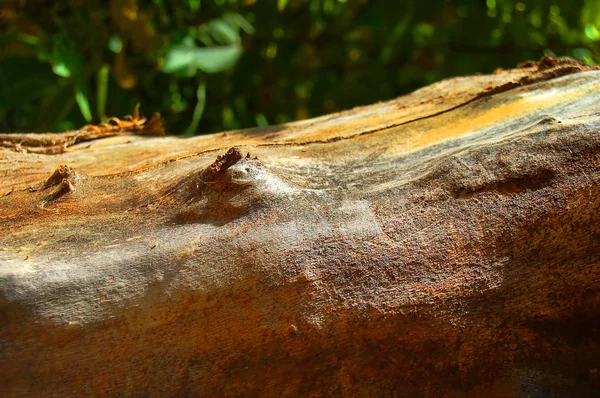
(442, 243)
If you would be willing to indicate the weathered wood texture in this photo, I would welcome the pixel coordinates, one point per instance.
(443, 243)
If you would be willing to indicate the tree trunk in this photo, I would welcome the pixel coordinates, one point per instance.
(443, 243)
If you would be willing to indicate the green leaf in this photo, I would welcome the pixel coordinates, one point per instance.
(102, 89)
(185, 60)
(198, 110)
(237, 20)
(281, 4)
(115, 44)
(84, 105)
(590, 13)
(261, 120)
(66, 62)
(223, 33)
(592, 32)
(61, 69)
(194, 5)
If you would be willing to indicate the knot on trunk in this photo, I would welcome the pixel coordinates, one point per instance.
(64, 178)
(225, 190)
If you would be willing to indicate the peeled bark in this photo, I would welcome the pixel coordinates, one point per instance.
(443, 243)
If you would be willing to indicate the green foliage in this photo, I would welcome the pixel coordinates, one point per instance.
(216, 65)
(187, 59)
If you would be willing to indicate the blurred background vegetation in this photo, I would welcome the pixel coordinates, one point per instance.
(210, 66)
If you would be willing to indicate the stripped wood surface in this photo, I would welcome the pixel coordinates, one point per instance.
(442, 243)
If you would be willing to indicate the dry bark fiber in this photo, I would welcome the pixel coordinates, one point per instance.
(445, 243)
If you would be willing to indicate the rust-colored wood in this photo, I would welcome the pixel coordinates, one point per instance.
(443, 243)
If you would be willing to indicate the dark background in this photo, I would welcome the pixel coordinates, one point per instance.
(210, 66)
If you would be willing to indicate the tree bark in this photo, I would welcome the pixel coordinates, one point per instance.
(443, 243)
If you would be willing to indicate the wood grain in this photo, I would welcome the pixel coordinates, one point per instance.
(442, 243)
